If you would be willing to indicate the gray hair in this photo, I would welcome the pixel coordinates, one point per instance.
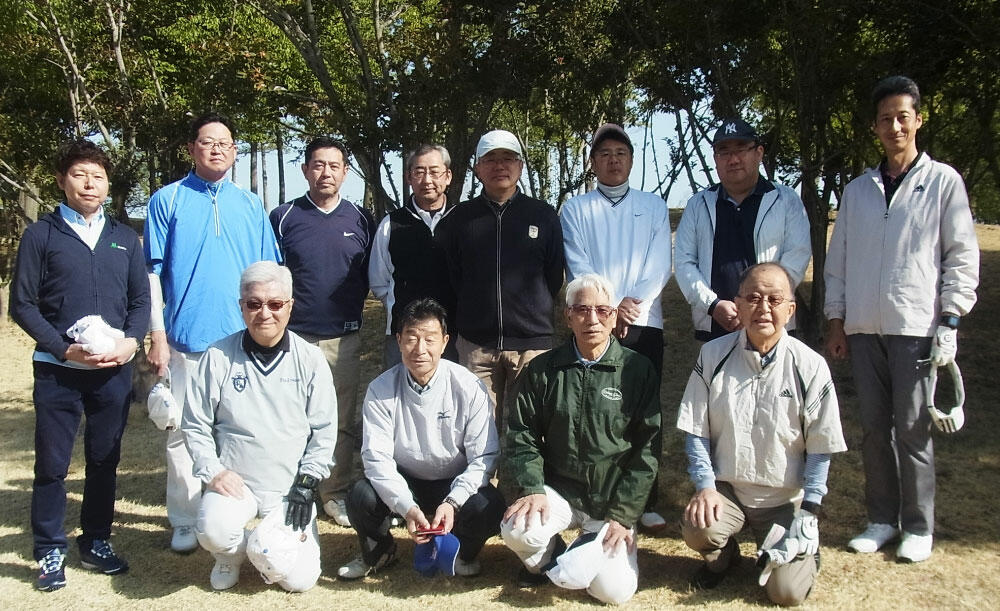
(760, 267)
(590, 281)
(266, 272)
(425, 149)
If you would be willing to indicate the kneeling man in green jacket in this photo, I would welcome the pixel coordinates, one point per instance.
(580, 453)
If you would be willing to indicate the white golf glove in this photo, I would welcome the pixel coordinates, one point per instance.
(945, 346)
(805, 528)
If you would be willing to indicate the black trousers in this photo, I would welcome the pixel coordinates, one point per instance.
(62, 395)
(648, 341)
(477, 520)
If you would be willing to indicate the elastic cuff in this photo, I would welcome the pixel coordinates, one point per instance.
(711, 307)
(705, 482)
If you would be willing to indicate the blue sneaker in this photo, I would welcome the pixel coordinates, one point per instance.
(52, 570)
(101, 557)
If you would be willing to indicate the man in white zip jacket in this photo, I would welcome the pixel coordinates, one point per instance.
(623, 235)
(903, 266)
(746, 219)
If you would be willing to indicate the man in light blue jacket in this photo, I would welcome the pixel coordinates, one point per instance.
(744, 220)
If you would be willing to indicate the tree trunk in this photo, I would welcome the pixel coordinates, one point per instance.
(265, 199)
(279, 146)
(253, 168)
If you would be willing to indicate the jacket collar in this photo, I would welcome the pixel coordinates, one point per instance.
(566, 356)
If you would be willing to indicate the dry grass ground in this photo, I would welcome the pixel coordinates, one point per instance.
(962, 573)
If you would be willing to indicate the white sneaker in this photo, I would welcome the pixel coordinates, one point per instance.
(467, 569)
(337, 510)
(874, 537)
(184, 540)
(358, 568)
(652, 521)
(226, 572)
(914, 548)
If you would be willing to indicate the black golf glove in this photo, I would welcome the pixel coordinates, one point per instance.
(300, 501)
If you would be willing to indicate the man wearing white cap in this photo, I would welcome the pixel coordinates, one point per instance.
(505, 259)
(743, 220)
(624, 235)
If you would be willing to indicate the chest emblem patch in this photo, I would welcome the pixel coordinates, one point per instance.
(240, 382)
(611, 394)
(533, 231)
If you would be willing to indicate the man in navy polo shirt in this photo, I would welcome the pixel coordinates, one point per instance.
(73, 263)
(746, 219)
(201, 233)
(326, 242)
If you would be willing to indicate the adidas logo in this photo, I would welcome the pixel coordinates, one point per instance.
(785, 393)
(918, 189)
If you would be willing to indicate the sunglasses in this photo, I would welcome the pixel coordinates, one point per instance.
(254, 305)
(603, 311)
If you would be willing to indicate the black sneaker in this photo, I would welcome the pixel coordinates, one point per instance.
(706, 579)
(527, 579)
(101, 557)
(52, 570)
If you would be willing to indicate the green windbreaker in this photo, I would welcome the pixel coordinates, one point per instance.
(587, 432)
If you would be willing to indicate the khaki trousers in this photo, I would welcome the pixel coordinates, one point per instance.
(789, 584)
(344, 356)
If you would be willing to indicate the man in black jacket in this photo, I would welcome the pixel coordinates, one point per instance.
(505, 259)
(76, 263)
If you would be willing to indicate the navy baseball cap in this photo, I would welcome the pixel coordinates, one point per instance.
(735, 129)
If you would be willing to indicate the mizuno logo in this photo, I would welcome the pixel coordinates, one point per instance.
(918, 189)
(785, 393)
(348, 234)
(443, 415)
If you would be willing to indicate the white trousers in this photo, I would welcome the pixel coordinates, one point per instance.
(221, 531)
(533, 542)
(183, 488)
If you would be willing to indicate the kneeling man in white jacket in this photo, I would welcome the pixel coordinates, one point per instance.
(260, 422)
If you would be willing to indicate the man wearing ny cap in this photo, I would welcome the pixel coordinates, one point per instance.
(430, 445)
(760, 418)
(903, 266)
(624, 235)
(505, 259)
(746, 219)
(407, 259)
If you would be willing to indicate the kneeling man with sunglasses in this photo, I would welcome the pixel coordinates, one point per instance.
(579, 452)
(260, 422)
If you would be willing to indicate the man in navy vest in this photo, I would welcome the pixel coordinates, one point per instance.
(407, 260)
(325, 241)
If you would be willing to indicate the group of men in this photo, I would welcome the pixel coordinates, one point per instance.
(255, 321)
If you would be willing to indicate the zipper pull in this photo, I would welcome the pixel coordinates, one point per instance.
(886, 217)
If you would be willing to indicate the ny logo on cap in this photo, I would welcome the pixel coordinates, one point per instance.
(730, 128)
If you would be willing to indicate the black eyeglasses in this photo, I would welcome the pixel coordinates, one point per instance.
(254, 305)
(603, 311)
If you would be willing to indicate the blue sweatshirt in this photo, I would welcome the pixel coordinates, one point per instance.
(58, 279)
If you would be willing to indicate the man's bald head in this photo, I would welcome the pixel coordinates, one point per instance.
(751, 272)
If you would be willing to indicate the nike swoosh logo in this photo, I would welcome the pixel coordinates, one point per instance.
(348, 234)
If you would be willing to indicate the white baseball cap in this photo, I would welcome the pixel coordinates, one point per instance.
(163, 408)
(498, 139)
(274, 548)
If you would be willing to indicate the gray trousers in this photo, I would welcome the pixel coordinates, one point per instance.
(896, 446)
(790, 583)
